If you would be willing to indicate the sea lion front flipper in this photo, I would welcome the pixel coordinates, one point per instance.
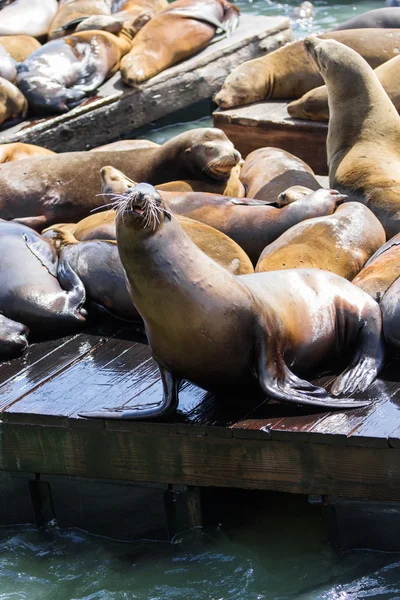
(252, 202)
(71, 283)
(168, 404)
(44, 252)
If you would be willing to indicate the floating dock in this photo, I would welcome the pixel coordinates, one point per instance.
(118, 109)
(269, 124)
(245, 442)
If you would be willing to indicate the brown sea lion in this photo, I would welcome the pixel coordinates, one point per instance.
(70, 10)
(8, 69)
(27, 17)
(36, 289)
(292, 194)
(267, 172)
(314, 104)
(19, 47)
(88, 59)
(387, 18)
(390, 307)
(286, 72)
(13, 104)
(126, 145)
(41, 191)
(19, 150)
(340, 243)
(381, 270)
(363, 143)
(248, 222)
(176, 33)
(239, 331)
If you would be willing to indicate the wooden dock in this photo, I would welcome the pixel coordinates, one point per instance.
(269, 124)
(118, 109)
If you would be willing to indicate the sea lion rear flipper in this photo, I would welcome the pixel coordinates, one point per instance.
(70, 282)
(70, 25)
(168, 404)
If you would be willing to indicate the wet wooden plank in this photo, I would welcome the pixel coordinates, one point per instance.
(118, 108)
(269, 124)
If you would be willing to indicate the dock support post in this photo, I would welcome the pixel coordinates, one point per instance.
(42, 501)
(182, 509)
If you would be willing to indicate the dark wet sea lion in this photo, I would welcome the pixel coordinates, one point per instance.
(66, 187)
(381, 270)
(239, 331)
(340, 243)
(69, 10)
(27, 17)
(8, 69)
(88, 59)
(19, 150)
(30, 292)
(314, 104)
(13, 104)
(363, 143)
(267, 172)
(179, 31)
(287, 73)
(387, 18)
(19, 47)
(390, 307)
(13, 338)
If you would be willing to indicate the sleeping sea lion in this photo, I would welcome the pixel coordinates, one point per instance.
(27, 17)
(179, 31)
(41, 191)
(13, 104)
(363, 143)
(388, 18)
(287, 73)
(381, 270)
(267, 172)
(19, 150)
(314, 104)
(263, 330)
(70, 10)
(36, 289)
(19, 47)
(292, 194)
(340, 243)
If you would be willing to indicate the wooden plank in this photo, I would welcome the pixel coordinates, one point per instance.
(119, 109)
(269, 124)
(355, 472)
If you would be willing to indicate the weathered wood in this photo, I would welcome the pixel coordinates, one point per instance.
(182, 509)
(269, 124)
(118, 109)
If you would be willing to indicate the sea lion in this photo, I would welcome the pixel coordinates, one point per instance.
(19, 47)
(314, 104)
(19, 150)
(13, 104)
(267, 172)
(390, 307)
(41, 191)
(381, 270)
(30, 292)
(27, 17)
(292, 194)
(70, 10)
(126, 145)
(248, 222)
(286, 72)
(387, 18)
(179, 31)
(364, 132)
(88, 59)
(13, 338)
(239, 330)
(340, 243)
(8, 69)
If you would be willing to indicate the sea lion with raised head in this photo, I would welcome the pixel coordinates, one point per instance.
(286, 72)
(264, 330)
(27, 17)
(314, 104)
(363, 143)
(381, 269)
(179, 31)
(340, 243)
(19, 150)
(66, 187)
(267, 172)
(19, 47)
(13, 104)
(387, 18)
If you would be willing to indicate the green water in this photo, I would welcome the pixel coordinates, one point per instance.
(273, 552)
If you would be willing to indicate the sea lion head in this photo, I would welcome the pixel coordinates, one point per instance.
(332, 58)
(244, 85)
(292, 194)
(313, 105)
(212, 153)
(142, 209)
(114, 182)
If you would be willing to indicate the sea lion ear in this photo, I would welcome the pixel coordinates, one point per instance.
(167, 215)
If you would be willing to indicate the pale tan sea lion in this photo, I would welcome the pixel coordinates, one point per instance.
(13, 104)
(179, 31)
(363, 143)
(314, 104)
(286, 72)
(340, 243)
(381, 270)
(263, 330)
(19, 150)
(19, 47)
(69, 10)
(8, 69)
(27, 17)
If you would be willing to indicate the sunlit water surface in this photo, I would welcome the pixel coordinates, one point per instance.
(275, 554)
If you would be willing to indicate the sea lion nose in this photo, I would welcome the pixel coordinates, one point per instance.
(237, 156)
(311, 42)
(282, 196)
